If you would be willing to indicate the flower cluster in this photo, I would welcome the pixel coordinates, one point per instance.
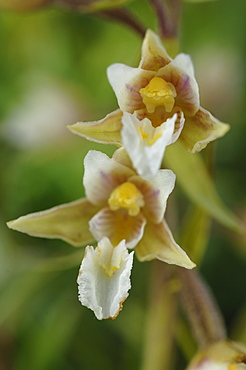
(126, 195)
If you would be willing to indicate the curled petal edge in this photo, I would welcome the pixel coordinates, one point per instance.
(106, 130)
(69, 222)
(158, 243)
(201, 129)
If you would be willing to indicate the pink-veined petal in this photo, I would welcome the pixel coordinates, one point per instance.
(106, 130)
(159, 243)
(145, 144)
(117, 225)
(102, 174)
(155, 192)
(185, 85)
(184, 62)
(104, 278)
(200, 130)
(126, 83)
(154, 55)
(69, 222)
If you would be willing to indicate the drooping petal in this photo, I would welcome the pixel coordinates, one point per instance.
(154, 55)
(117, 225)
(145, 144)
(69, 222)
(158, 243)
(104, 278)
(185, 85)
(155, 191)
(201, 129)
(126, 83)
(102, 174)
(106, 130)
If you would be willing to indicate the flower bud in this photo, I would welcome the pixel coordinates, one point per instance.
(223, 355)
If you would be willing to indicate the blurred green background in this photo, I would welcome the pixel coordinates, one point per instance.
(52, 73)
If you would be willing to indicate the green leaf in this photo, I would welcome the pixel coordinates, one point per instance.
(195, 233)
(194, 179)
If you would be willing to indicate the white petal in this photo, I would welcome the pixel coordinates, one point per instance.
(101, 289)
(147, 153)
(102, 175)
(117, 225)
(156, 192)
(126, 83)
(184, 62)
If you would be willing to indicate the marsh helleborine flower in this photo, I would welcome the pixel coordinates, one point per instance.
(160, 90)
(119, 205)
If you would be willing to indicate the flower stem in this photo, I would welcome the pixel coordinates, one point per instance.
(119, 14)
(125, 17)
(161, 319)
(168, 14)
(202, 310)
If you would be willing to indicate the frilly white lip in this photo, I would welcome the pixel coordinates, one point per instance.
(146, 144)
(104, 278)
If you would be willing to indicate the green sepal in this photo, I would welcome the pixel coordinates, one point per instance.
(194, 179)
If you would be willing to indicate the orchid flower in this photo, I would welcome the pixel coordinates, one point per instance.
(119, 205)
(223, 355)
(121, 210)
(160, 89)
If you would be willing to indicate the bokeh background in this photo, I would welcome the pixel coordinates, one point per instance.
(53, 73)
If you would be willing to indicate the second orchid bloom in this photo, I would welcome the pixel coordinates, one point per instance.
(121, 210)
(159, 103)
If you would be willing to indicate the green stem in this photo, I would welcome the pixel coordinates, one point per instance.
(119, 15)
(125, 17)
(160, 320)
(168, 14)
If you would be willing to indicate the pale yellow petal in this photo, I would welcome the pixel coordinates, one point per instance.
(69, 222)
(200, 130)
(154, 55)
(159, 243)
(106, 130)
